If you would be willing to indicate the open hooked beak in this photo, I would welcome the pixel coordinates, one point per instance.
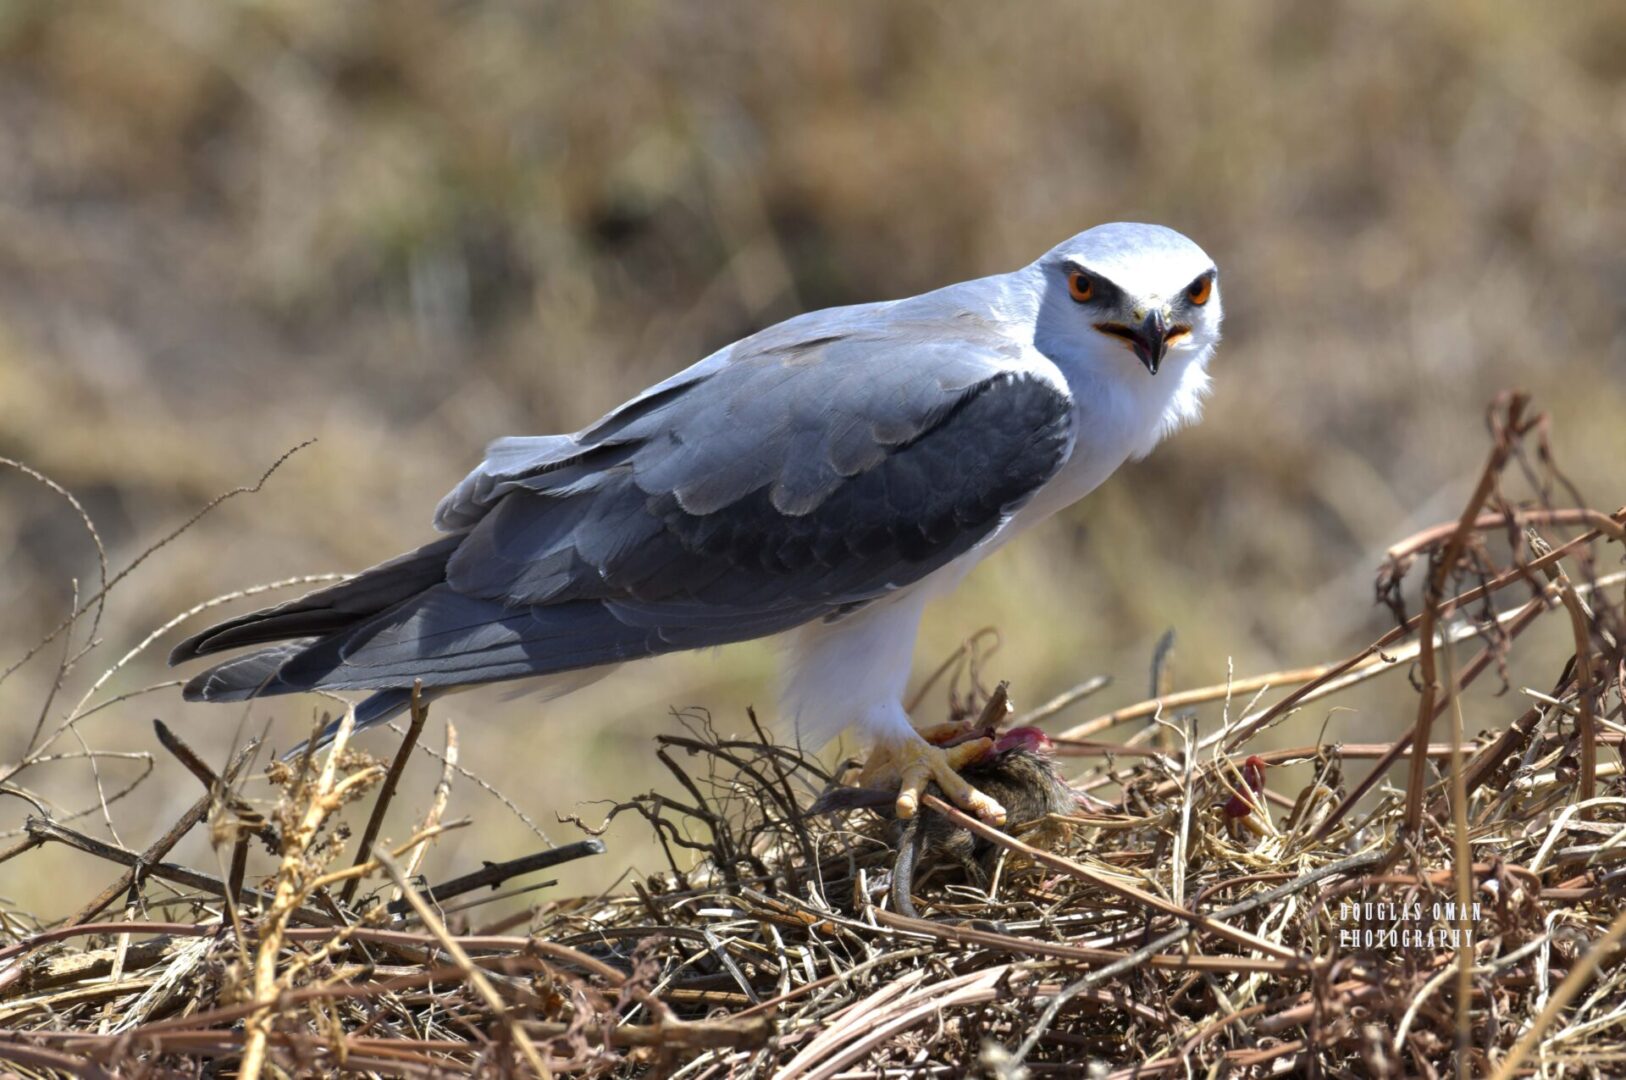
(1150, 339)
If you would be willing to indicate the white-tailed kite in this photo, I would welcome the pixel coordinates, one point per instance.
(821, 479)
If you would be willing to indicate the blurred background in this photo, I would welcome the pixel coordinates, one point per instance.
(405, 229)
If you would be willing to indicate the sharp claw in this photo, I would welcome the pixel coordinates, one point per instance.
(911, 786)
(968, 797)
(908, 802)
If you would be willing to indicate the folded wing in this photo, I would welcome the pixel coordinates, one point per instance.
(798, 475)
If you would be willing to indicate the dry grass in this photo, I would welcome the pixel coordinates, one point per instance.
(408, 228)
(1199, 907)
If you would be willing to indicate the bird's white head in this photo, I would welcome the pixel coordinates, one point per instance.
(1143, 291)
(1137, 305)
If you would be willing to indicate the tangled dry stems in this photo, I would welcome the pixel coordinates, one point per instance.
(1183, 918)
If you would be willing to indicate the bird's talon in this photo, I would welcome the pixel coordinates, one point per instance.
(917, 764)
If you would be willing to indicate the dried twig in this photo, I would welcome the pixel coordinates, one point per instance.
(375, 821)
(160, 847)
(475, 977)
(323, 796)
(495, 874)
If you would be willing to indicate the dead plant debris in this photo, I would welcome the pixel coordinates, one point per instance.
(1214, 900)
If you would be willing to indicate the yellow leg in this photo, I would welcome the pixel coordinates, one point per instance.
(912, 763)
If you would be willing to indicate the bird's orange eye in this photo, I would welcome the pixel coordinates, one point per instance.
(1081, 285)
(1198, 291)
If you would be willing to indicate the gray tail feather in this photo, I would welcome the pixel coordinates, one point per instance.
(243, 677)
(372, 711)
(327, 610)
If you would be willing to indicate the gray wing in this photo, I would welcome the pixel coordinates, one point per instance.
(796, 476)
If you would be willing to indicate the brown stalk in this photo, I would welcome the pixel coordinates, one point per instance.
(1522, 619)
(437, 803)
(156, 851)
(1314, 678)
(1487, 522)
(1462, 852)
(1585, 723)
(325, 795)
(474, 976)
(1573, 984)
(1436, 608)
(375, 821)
(967, 934)
(1118, 888)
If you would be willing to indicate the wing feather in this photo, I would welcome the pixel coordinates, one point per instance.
(794, 479)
